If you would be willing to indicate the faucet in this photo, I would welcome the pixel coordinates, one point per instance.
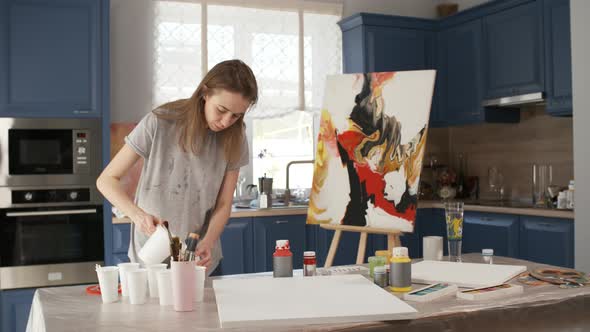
(287, 191)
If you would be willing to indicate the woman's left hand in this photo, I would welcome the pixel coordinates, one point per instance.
(204, 253)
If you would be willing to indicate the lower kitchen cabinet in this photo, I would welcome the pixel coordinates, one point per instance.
(269, 229)
(433, 224)
(238, 247)
(412, 241)
(347, 247)
(16, 305)
(489, 230)
(547, 240)
(121, 235)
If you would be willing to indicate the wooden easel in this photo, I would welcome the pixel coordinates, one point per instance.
(392, 240)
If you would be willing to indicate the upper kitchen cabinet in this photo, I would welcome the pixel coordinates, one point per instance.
(459, 86)
(558, 57)
(373, 43)
(513, 51)
(50, 57)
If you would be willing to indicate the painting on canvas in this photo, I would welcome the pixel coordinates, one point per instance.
(370, 147)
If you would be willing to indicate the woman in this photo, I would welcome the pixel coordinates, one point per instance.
(192, 150)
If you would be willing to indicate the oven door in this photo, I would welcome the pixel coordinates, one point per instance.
(50, 245)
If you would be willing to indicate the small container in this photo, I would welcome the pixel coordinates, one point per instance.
(387, 255)
(488, 256)
(282, 260)
(400, 277)
(562, 200)
(376, 261)
(309, 264)
(263, 201)
(379, 276)
(570, 195)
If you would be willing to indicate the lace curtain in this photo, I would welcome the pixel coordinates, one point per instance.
(290, 49)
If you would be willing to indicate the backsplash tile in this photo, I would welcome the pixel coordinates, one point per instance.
(513, 148)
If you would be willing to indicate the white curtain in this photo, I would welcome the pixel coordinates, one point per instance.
(290, 49)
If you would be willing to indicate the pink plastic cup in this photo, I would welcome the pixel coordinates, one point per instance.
(183, 285)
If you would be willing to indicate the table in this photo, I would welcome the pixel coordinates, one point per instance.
(539, 308)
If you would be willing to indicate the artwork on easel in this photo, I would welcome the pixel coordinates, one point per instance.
(370, 147)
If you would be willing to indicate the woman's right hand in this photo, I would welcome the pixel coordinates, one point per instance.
(146, 222)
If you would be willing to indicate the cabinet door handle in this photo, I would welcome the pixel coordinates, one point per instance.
(546, 224)
(281, 222)
(82, 111)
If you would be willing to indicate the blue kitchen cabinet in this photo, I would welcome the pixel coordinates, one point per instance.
(374, 42)
(347, 247)
(513, 61)
(16, 305)
(269, 229)
(558, 57)
(412, 241)
(434, 224)
(491, 231)
(50, 58)
(238, 247)
(460, 89)
(121, 235)
(547, 240)
(394, 49)
(119, 258)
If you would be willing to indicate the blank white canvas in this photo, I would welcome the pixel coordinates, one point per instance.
(469, 275)
(305, 300)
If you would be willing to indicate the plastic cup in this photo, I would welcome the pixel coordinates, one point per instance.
(432, 247)
(200, 283)
(183, 285)
(108, 280)
(137, 284)
(164, 278)
(152, 279)
(123, 269)
(157, 248)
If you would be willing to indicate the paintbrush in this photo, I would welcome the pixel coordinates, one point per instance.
(176, 246)
(191, 244)
(165, 223)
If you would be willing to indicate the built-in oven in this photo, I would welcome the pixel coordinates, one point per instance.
(51, 214)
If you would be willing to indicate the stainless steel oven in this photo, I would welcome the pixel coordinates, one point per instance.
(51, 214)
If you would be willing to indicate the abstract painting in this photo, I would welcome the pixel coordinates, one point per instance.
(370, 147)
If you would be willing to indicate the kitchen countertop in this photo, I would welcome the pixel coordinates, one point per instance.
(539, 308)
(490, 207)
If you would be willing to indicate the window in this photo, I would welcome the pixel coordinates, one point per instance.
(291, 51)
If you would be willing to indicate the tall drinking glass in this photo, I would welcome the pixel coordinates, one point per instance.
(454, 218)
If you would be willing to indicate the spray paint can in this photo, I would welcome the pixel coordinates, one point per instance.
(282, 260)
(400, 277)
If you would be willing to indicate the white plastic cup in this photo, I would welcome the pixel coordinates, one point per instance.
(123, 269)
(200, 283)
(164, 278)
(157, 248)
(108, 280)
(152, 279)
(432, 248)
(137, 284)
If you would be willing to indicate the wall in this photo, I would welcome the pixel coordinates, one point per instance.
(131, 59)
(580, 11)
(513, 148)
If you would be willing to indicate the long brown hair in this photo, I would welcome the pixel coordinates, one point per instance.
(189, 114)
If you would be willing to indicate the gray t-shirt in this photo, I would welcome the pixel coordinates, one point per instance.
(177, 186)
